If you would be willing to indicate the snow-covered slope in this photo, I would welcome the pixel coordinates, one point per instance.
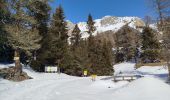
(129, 68)
(108, 23)
(147, 88)
(52, 86)
(5, 65)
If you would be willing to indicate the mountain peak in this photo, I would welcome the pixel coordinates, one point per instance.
(110, 23)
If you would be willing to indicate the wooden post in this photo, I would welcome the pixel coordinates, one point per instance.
(18, 67)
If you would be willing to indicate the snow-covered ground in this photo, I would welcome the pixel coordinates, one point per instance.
(129, 68)
(46, 86)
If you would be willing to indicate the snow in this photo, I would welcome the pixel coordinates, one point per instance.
(147, 88)
(108, 84)
(53, 86)
(108, 23)
(129, 69)
(155, 70)
(5, 65)
(126, 67)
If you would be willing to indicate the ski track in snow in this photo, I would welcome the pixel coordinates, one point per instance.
(62, 89)
(32, 90)
(47, 86)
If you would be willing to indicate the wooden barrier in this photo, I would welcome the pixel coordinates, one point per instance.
(125, 78)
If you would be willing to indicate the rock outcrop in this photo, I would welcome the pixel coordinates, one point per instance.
(10, 74)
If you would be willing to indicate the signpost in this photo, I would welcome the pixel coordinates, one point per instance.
(16, 58)
(93, 77)
(85, 73)
(51, 69)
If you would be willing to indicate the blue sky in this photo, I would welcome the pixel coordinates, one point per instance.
(78, 10)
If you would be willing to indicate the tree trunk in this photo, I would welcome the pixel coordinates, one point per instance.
(18, 67)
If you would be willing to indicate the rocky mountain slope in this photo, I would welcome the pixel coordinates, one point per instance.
(108, 23)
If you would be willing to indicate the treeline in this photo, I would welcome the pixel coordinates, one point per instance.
(138, 47)
(30, 35)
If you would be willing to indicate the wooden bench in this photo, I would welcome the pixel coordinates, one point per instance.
(125, 78)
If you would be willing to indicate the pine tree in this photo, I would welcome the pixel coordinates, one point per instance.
(96, 58)
(81, 55)
(150, 45)
(91, 63)
(21, 33)
(76, 36)
(91, 28)
(76, 68)
(58, 45)
(90, 25)
(90, 50)
(101, 59)
(108, 58)
(126, 40)
(78, 52)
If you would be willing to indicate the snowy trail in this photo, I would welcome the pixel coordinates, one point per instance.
(60, 87)
(42, 92)
(74, 89)
(33, 89)
(51, 86)
(84, 89)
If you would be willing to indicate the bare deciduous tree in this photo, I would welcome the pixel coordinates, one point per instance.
(162, 8)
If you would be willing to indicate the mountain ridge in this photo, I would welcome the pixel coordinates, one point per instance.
(108, 23)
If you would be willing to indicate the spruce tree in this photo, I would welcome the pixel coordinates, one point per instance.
(150, 45)
(58, 45)
(91, 45)
(81, 55)
(96, 62)
(78, 52)
(101, 59)
(126, 40)
(90, 25)
(91, 28)
(76, 36)
(108, 58)
(75, 48)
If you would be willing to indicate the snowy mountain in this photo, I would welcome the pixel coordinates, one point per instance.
(108, 23)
